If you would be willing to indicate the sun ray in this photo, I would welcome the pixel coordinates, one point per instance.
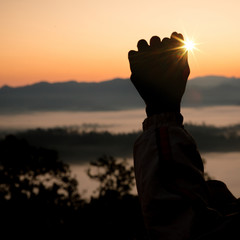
(189, 45)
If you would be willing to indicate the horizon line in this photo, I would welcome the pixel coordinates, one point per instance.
(101, 81)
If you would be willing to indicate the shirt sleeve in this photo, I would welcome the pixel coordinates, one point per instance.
(170, 177)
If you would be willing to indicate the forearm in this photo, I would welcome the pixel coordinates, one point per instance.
(169, 176)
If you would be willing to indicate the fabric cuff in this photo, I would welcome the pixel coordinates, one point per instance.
(163, 119)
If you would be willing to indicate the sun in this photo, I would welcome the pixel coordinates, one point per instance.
(189, 45)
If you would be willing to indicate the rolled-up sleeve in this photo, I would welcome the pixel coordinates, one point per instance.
(169, 176)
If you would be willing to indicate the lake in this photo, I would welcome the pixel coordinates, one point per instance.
(115, 121)
(222, 166)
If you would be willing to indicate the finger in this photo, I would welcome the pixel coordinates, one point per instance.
(177, 37)
(142, 45)
(165, 42)
(131, 54)
(180, 36)
(174, 35)
(155, 42)
(177, 40)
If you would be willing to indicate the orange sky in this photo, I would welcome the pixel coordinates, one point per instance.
(88, 40)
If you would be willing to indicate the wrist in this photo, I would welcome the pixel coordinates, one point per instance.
(162, 108)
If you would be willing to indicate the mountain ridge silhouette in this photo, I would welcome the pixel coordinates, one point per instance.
(115, 94)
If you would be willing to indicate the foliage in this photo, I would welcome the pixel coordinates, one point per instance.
(112, 174)
(115, 211)
(215, 139)
(36, 190)
(81, 146)
(77, 146)
(39, 197)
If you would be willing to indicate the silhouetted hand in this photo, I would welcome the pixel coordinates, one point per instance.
(160, 72)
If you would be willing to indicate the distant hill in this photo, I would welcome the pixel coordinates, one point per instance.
(73, 96)
(116, 94)
(212, 90)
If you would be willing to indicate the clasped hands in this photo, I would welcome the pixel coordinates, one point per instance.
(159, 72)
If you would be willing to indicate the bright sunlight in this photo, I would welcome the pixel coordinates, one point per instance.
(189, 45)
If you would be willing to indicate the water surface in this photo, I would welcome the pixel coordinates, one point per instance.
(222, 166)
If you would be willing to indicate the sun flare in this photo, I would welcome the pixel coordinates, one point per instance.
(189, 45)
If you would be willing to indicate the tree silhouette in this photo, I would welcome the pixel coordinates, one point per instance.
(37, 191)
(39, 196)
(113, 175)
(115, 213)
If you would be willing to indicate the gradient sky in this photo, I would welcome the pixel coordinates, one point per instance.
(88, 40)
